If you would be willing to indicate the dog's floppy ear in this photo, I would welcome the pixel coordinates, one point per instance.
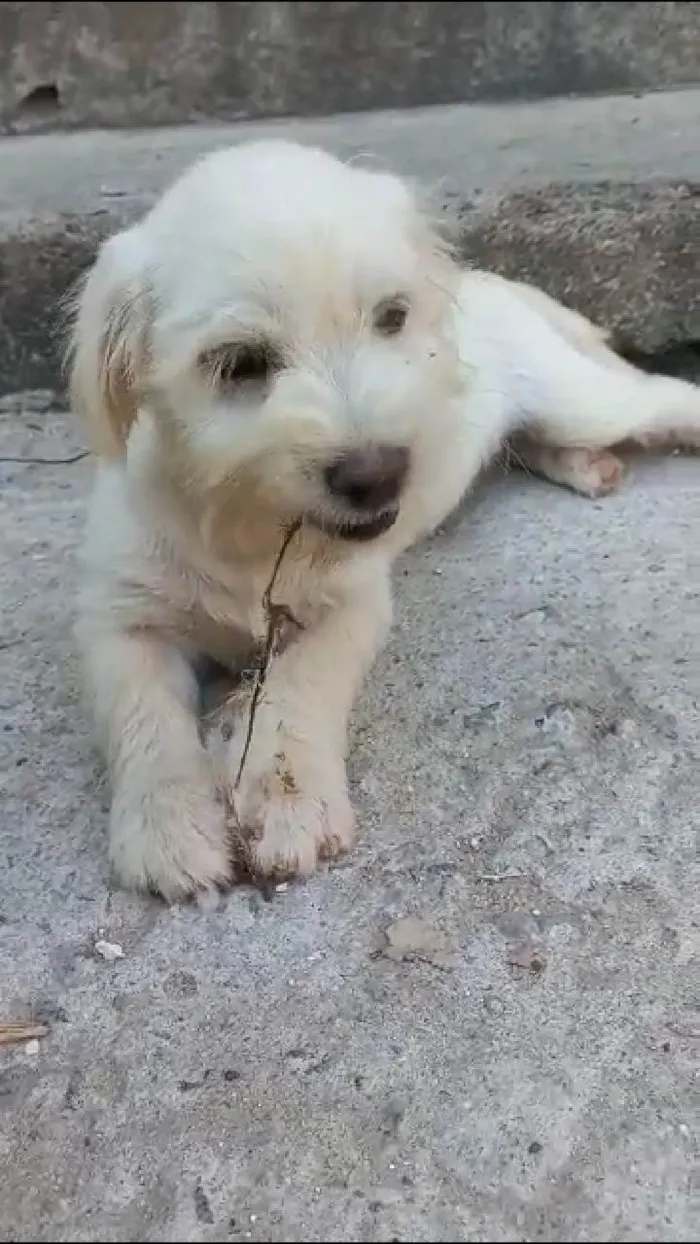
(108, 345)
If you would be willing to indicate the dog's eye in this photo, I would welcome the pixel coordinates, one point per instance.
(245, 363)
(390, 316)
(254, 362)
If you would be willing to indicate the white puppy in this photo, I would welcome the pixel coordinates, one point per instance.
(284, 343)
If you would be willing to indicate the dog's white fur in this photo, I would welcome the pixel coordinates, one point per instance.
(199, 475)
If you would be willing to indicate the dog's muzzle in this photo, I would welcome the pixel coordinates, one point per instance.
(367, 482)
(359, 530)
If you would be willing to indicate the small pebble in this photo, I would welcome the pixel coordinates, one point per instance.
(494, 1006)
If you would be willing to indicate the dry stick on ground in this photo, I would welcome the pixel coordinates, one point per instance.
(22, 1030)
(498, 876)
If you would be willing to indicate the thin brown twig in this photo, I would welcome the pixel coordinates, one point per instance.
(26, 461)
(275, 615)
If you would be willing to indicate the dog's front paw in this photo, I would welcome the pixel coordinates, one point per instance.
(171, 839)
(285, 830)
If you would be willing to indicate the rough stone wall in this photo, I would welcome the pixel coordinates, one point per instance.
(120, 64)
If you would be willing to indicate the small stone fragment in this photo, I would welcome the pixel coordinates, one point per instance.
(109, 951)
(413, 938)
(524, 955)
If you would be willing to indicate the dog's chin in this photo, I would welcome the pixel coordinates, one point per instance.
(355, 530)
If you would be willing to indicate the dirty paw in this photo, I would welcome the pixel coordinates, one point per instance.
(286, 835)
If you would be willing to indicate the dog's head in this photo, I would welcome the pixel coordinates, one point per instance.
(281, 319)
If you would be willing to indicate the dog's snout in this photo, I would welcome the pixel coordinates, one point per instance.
(369, 478)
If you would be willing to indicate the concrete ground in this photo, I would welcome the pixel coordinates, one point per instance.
(520, 1061)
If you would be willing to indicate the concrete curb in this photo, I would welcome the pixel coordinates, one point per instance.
(76, 65)
(594, 200)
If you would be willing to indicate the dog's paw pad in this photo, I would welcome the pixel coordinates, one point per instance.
(608, 471)
(593, 472)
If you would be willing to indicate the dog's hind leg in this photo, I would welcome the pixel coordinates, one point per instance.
(590, 402)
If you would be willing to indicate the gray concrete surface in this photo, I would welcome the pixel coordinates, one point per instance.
(119, 64)
(595, 200)
(525, 763)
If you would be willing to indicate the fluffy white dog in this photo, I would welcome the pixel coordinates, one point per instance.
(284, 344)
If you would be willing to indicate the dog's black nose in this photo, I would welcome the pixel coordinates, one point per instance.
(369, 478)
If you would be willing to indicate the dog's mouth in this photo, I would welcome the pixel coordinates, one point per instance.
(358, 531)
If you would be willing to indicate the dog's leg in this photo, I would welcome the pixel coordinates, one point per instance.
(590, 405)
(574, 398)
(292, 802)
(167, 832)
